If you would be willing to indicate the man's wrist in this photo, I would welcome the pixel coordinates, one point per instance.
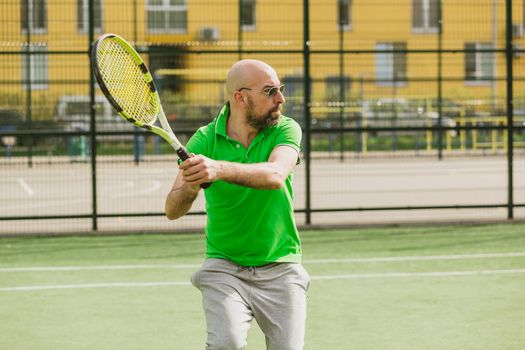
(191, 190)
(221, 170)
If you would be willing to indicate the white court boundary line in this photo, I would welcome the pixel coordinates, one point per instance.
(305, 262)
(25, 186)
(327, 277)
(98, 267)
(95, 285)
(419, 274)
(418, 258)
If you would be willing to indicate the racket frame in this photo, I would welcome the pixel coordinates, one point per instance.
(165, 131)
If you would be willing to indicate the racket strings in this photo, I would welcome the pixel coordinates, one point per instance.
(126, 82)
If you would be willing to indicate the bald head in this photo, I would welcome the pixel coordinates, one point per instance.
(246, 73)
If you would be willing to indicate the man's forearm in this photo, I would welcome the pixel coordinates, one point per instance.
(179, 201)
(267, 176)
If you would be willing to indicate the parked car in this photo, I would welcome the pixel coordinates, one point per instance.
(73, 112)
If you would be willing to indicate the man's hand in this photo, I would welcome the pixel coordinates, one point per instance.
(198, 170)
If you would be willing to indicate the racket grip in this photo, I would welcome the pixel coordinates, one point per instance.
(183, 154)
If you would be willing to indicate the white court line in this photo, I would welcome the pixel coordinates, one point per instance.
(417, 258)
(95, 285)
(25, 186)
(329, 277)
(97, 267)
(419, 274)
(306, 262)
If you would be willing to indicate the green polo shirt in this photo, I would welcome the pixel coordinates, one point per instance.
(248, 226)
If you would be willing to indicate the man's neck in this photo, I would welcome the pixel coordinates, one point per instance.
(238, 129)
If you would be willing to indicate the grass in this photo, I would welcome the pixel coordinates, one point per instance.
(456, 300)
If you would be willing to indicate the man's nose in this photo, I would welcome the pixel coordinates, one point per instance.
(280, 97)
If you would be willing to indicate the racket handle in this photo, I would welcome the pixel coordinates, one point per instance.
(183, 154)
(205, 185)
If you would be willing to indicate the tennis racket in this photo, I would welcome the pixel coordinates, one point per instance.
(128, 85)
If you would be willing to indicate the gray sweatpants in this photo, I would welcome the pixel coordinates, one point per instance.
(274, 294)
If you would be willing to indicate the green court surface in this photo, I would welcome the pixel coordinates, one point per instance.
(443, 287)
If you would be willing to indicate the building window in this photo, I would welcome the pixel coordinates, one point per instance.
(338, 89)
(36, 64)
(83, 16)
(167, 16)
(479, 66)
(248, 15)
(33, 16)
(391, 64)
(344, 9)
(425, 16)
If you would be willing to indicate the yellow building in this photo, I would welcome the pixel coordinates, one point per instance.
(191, 45)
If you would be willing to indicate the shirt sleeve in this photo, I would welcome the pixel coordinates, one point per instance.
(290, 134)
(197, 143)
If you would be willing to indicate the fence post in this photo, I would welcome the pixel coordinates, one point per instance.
(28, 80)
(239, 30)
(342, 80)
(307, 100)
(509, 53)
(92, 128)
(440, 81)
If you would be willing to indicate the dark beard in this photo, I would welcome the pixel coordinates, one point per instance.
(261, 122)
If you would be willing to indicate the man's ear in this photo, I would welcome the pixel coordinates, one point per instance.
(238, 97)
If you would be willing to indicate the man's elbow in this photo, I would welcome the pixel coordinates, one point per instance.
(170, 210)
(170, 216)
(275, 181)
(177, 206)
(170, 213)
(276, 178)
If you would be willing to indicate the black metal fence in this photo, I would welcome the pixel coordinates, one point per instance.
(411, 110)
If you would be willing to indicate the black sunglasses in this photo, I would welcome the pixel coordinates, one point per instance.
(270, 92)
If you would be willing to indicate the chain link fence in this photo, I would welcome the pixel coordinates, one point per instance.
(412, 110)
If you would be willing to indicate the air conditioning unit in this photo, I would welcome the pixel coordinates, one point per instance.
(518, 51)
(209, 34)
(517, 30)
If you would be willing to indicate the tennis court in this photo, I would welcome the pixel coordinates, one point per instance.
(413, 147)
(442, 287)
(63, 188)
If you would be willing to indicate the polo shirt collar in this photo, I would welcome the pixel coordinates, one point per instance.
(222, 119)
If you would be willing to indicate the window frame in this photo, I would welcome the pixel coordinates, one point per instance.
(30, 25)
(166, 8)
(252, 26)
(39, 66)
(480, 60)
(392, 60)
(346, 26)
(427, 27)
(83, 23)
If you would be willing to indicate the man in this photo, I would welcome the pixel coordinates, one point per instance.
(253, 252)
